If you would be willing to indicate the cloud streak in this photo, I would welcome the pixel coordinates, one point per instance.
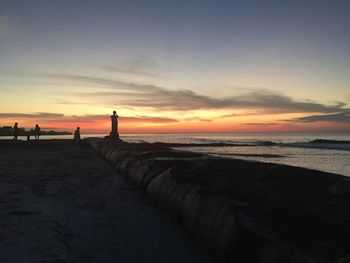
(148, 119)
(139, 66)
(59, 117)
(159, 98)
(338, 117)
(31, 115)
(259, 124)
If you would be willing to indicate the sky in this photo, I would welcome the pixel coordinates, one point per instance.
(176, 66)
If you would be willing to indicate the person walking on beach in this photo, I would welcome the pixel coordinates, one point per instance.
(15, 131)
(77, 134)
(114, 135)
(37, 131)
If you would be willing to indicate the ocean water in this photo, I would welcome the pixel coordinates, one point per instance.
(332, 155)
(296, 150)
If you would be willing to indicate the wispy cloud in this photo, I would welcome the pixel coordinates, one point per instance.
(231, 115)
(32, 115)
(71, 102)
(59, 117)
(140, 65)
(115, 92)
(106, 118)
(259, 124)
(338, 117)
(149, 119)
(197, 119)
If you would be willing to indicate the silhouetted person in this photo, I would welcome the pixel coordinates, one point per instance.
(114, 135)
(28, 136)
(77, 134)
(15, 131)
(37, 131)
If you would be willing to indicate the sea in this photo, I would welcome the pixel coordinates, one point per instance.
(324, 152)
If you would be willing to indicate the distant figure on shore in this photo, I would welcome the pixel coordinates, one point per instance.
(77, 134)
(28, 136)
(114, 135)
(15, 131)
(37, 131)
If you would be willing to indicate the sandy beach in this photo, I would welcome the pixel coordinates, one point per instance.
(61, 202)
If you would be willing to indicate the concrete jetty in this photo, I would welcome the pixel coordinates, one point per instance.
(61, 202)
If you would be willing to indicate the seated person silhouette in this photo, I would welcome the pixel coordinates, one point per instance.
(77, 134)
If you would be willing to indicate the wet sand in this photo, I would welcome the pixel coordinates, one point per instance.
(61, 202)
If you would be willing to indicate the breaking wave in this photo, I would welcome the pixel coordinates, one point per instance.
(314, 144)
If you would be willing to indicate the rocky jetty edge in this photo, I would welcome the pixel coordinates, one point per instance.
(242, 211)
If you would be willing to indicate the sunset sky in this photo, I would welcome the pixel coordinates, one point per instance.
(176, 66)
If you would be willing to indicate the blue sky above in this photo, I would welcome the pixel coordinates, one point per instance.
(219, 49)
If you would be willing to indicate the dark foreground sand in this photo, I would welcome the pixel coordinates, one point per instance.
(60, 202)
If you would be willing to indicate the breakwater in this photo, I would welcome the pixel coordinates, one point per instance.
(243, 211)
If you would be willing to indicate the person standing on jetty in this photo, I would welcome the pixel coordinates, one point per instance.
(15, 131)
(37, 131)
(114, 135)
(77, 134)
